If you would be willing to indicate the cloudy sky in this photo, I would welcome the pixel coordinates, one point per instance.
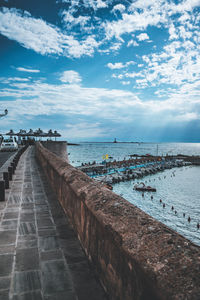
(100, 69)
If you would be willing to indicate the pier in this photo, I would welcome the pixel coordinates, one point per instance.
(63, 236)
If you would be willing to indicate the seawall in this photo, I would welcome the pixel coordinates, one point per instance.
(57, 147)
(135, 256)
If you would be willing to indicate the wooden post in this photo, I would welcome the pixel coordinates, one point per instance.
(6, 179)
(2, 190)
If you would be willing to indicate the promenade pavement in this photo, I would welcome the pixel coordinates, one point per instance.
(40, 255)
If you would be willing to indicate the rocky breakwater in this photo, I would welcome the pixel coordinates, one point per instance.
(130, 170)
(135, 256)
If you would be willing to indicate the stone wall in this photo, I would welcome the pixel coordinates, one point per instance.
(57, 147)
(135, 256)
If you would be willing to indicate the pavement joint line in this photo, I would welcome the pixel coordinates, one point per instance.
(23, 156)
(36, 227)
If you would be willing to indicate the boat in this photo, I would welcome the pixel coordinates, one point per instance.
(144, 188)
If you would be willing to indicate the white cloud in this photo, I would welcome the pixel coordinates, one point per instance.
(132, 43)
(183, 33)
(134, 21)
(142, 37)
(84, 130)
(119, 65)
(101, 4)
(180, 59)
(132, 74)
(115, 66)
(187, 117)
(142, 82)
(185, 6)
(119, 7)
(125, 82)
(184, 17)
(112, 106)
(71, 77)
(142, 4)
(27, 70)
(94, 4)
(31, 33)
(95, 30)
(115, 47)
(142, 14)
(42, 37)
(76, 49)
(172, 32)
(71, 21)
(6, 80)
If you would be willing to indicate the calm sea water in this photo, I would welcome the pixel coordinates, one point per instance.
(179, 187)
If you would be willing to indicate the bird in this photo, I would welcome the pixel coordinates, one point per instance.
(172, 208)
(184, 215)
(189, 219)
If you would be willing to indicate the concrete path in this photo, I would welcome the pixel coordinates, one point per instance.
(40, 256)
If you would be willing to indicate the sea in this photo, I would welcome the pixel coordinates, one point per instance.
(178, 187)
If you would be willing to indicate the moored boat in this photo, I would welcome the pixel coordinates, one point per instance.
(142, 187)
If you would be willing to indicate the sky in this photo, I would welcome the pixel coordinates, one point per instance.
(96, 70)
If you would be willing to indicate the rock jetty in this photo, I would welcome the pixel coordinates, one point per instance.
(117, 171)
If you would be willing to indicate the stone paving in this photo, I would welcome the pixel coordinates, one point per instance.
(40, 256)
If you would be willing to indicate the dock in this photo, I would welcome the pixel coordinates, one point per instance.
(40, 256)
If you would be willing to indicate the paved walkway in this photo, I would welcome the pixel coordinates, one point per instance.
(40, 256)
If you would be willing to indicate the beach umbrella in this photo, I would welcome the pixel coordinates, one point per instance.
(43, 134)
(37, 132)
(22, 133)
(50, 133)
(56, 134)
(40, 133)
(30, 133)
(11, 133)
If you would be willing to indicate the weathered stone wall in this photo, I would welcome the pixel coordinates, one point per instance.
(57, 147)
(135, 256)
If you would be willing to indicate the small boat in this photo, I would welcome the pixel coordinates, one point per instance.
(144, 188)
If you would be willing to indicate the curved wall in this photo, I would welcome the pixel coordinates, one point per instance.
(57, 147)
(135, 256)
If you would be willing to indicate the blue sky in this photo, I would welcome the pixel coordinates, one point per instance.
(99, 69)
